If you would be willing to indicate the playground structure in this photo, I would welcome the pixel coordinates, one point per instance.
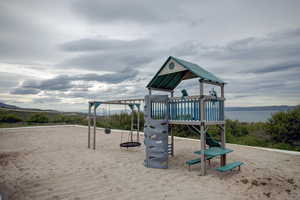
(162, 112)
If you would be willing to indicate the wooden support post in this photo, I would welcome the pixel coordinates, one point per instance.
(201, 107)
(201, 88)
(95, 119)
(203, 142)
(89, 129)
(223, 144)
(222, 91)
(223, 102)
(171, 130)
(223, 134)
(202, 110)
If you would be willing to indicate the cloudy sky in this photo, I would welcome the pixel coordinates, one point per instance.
(59, 54)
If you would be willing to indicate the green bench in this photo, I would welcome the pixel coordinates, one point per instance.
(197, 160)
(230, 166)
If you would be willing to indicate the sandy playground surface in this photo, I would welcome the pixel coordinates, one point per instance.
(55, 163)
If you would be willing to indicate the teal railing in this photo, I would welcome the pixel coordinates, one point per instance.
(184, 109)
(158, 110)
(214, 110)
(188, 109)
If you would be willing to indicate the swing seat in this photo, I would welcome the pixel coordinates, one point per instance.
(130, 144)
(107, 131)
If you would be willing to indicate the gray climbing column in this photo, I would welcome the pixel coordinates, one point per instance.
(156, 136)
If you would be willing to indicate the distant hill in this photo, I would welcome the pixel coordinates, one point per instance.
(3, 105)
(260, 108)
(16, 108)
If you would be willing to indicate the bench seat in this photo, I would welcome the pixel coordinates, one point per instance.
(230, 166)
(197, 160)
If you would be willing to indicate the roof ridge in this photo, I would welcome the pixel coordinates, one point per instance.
(196, 65)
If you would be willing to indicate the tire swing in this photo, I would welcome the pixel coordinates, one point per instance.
(133, 138)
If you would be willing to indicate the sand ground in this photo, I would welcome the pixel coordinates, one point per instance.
(55, 163)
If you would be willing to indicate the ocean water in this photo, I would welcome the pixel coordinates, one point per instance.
(250, 116)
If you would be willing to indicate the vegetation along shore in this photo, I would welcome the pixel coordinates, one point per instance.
(280, 131)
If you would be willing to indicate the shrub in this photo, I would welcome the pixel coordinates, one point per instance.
(284, 127)
(72, 119)
(59, 119)
(236, 128)
(10, 118)
(38, 118)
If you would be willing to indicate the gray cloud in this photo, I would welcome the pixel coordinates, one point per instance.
(44, 100)
(22, 90)
(109, 61)
(103, 44)
(62, 82)
(264, 84)
(109, 54)
(276, 68)
(274, 45)
(132, 11)
(123, 75)
(22, 38)
(7, 81)
(66, 82)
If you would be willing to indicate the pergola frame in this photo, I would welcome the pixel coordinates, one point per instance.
(95, 104)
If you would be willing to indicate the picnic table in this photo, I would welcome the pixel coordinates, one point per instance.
(216, 151)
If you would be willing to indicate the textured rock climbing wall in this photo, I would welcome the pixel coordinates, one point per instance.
(156, 136)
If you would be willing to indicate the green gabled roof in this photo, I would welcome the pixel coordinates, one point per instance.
(169, 81)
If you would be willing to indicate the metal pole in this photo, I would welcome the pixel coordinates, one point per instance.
(203, 142)
(138, 124)
(132, 115)
(94, 147)
(89, 129)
